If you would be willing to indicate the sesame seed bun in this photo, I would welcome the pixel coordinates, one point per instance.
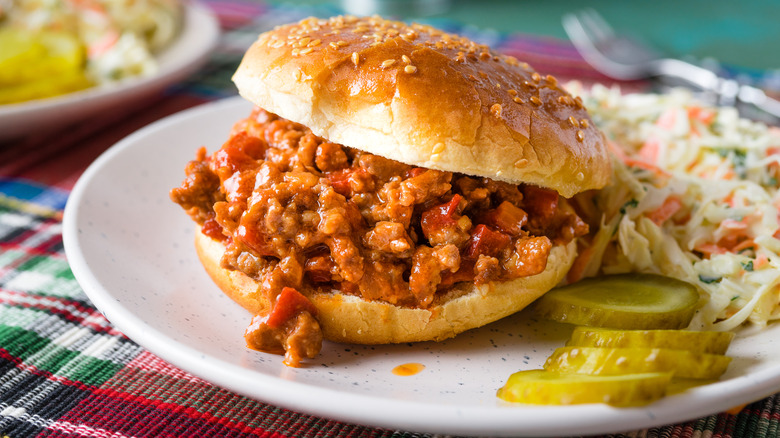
(426, 98)
(347, 318)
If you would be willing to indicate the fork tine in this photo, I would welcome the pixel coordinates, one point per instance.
(595, 25)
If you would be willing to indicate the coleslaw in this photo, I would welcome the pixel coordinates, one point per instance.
(119, 37)
(694, 196)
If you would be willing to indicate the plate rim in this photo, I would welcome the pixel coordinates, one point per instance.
(702, 401)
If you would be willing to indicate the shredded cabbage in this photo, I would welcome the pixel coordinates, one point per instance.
(120, 37)
(694, 195)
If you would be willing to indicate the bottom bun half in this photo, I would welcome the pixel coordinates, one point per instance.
(347, 318)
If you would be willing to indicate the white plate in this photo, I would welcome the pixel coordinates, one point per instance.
(199, 35)
(131, 249)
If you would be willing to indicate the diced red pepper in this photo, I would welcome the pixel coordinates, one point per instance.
(255, 240)
(507, 218)
(440, 216)
(542, 203)
(340, 181)
(213, 229)
(415, 171)
(289, 303)
(485, 241)
(253, 146)
(238, 152)
(318, 269)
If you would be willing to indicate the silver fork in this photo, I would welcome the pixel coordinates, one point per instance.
(621, 57)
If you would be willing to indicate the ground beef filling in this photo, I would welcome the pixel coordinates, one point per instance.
(296, 211)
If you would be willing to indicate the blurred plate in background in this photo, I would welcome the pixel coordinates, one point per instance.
(186, 54)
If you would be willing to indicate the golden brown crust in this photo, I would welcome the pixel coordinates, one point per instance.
(345, 318)
(423, 97)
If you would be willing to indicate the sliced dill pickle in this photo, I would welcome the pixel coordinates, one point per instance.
(623, 301)
(613, 361)
(697, 342)
(550, 388)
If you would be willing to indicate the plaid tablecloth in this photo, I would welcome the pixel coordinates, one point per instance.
(65, 371)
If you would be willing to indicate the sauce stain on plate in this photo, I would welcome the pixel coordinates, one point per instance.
(408, 369)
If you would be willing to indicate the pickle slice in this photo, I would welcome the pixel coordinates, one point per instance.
(624, 301)
(550, 388)
(697, 342)
(612, 361)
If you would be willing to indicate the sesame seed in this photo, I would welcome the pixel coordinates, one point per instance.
(574, 122)
(410, 69)
(484, 55)
(387, 63)
(405, 59)
(333, 45)
(298, 75)
(518, 100)
(536, 101)
(306, 51)
(355, 58)
(551, 79)
(496, 110)
(536, 77)
(521, 163)
(512, 92)
(438, 148)
(303, 41)
(580, 135)
(315, 43)
(296, 52)
(584, 123)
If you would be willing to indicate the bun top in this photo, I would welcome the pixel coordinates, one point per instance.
(427, 98)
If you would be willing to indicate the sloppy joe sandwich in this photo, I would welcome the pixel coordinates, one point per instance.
(394, 183)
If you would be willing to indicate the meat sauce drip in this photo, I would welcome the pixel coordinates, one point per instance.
(296, 211)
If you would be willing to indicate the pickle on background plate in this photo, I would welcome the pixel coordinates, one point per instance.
(35, 65)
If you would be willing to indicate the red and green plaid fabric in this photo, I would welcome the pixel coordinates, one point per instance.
(66, 372)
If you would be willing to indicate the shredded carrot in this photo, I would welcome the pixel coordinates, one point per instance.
(577, 270)
(703, 115)
(708, 249)
(650, 150)
(745, 244)
(760, 261)
(631, 162)
(104, 44)
(671, 205)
